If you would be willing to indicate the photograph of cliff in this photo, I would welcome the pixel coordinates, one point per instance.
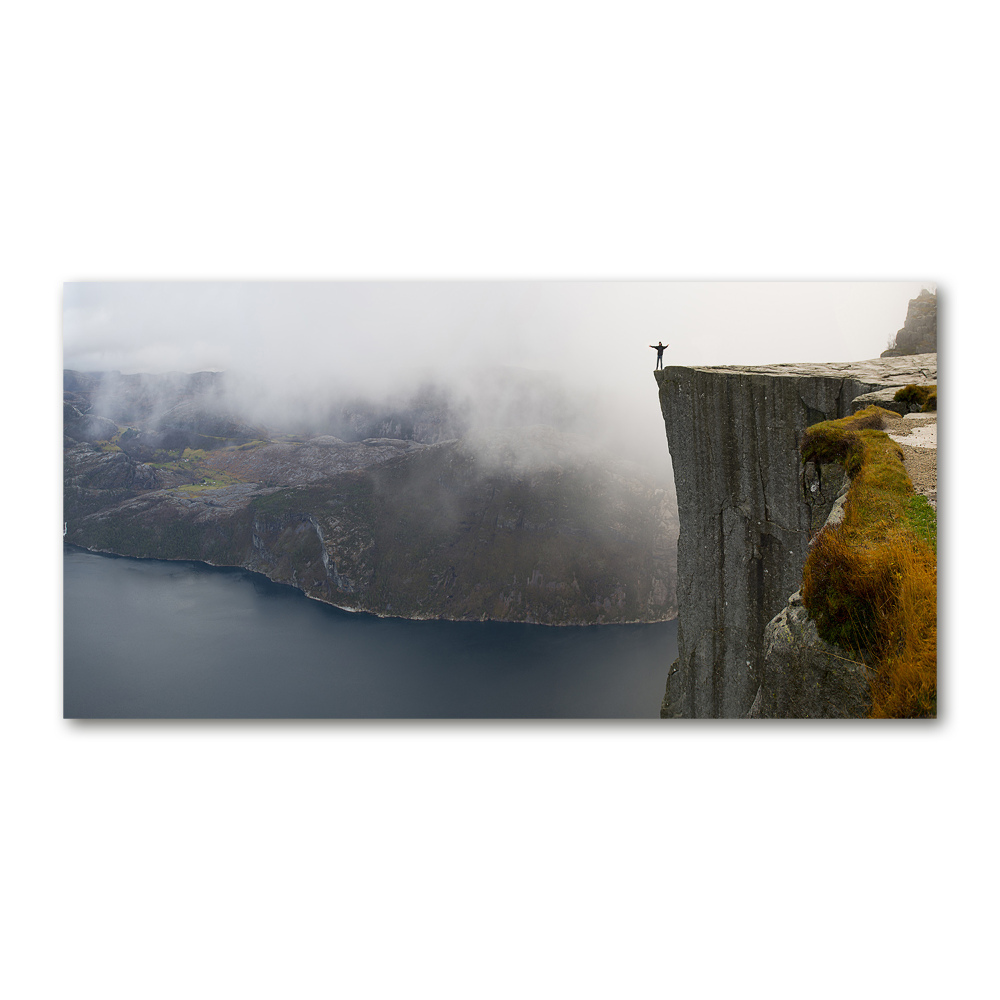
(408, 499)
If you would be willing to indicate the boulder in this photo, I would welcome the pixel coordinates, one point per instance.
(805, 677)
(886, 399)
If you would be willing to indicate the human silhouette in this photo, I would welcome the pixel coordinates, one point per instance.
(659, 348)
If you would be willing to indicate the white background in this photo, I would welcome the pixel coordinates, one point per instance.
(638, 140)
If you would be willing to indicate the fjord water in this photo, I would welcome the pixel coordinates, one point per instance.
(151, 639)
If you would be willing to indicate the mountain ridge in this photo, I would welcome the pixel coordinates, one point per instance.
(526, 523)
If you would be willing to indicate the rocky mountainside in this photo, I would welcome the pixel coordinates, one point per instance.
(747, 509)
(918, 334)
(520, 523)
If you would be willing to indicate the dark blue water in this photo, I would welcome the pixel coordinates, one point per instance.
(150, 639)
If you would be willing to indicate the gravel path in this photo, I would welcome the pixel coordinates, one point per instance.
(916, 434)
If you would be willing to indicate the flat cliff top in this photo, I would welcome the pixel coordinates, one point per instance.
(877, 371)
(916, 434)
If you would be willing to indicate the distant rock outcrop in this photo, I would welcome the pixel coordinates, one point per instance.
(79, 426)
(515, 523)
(918, 334)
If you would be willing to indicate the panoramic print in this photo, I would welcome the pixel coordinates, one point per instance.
(439, 500)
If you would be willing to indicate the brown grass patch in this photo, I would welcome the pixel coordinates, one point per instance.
(925, 396)
(870, 582)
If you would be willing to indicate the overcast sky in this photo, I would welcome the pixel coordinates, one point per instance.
(376, 337)
(587, 329)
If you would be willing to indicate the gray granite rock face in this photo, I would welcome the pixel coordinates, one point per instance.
(805, 677)
(747, 509)
(884, 398)
(918, 334)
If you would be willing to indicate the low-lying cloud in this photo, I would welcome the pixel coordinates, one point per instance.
(573, 355)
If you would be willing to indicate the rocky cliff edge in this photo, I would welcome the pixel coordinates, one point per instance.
(748, 507)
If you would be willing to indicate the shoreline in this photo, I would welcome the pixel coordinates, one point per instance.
(366, 611)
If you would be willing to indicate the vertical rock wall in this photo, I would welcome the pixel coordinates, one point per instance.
(919, 331)
(747, 509)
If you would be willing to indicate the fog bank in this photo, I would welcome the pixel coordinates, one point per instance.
(580, 350)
